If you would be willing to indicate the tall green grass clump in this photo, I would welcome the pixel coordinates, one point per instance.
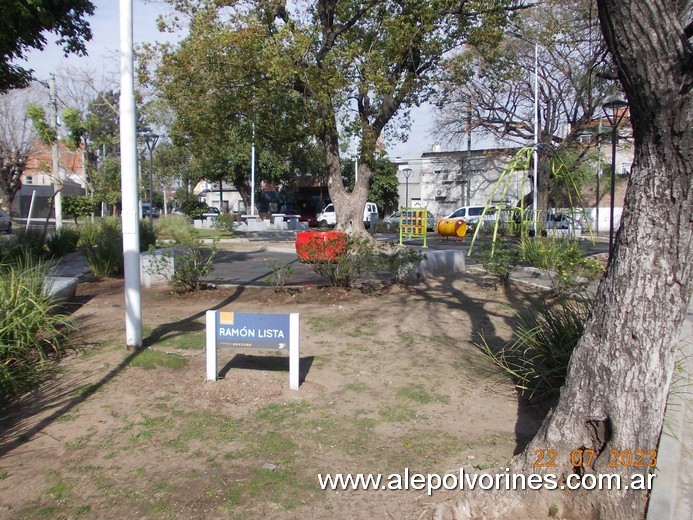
(101, 243)
(33, 331)
(192, 262)
(176, 228)
(63, 241)
(537, 357)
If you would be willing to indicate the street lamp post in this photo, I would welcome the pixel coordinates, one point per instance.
(407, 173)
(614, 110)
(150, 140)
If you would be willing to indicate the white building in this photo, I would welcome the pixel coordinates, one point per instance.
(444, 181)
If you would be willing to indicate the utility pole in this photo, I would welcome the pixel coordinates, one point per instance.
(57, 180)
(128, 182)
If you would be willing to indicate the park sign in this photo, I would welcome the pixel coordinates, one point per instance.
(254, 331)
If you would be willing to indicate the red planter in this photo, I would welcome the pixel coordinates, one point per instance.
(320, 246)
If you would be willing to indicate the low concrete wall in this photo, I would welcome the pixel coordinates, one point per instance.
(439, 263)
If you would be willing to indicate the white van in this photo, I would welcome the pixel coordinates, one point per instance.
(328, 217)
(472, 214)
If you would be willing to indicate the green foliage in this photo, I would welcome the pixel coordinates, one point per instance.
(280, 274)
(33, 330)
(102, 246)
(192, 266)
(537, 357)
(45, 131)
(63, 241)
(27, 243)
(499, 258)
(192, 262)
(24, 28)
(176, 228)
(562, 256)
(225, 222)
(148, 235)
(361, 257)
(78, 206)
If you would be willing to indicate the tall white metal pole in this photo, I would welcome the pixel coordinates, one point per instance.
(356, 171)
(57, 179)
(535, 184)
(128, 182)
(252, 174)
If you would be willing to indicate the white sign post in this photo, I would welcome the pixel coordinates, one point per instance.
(255, 331)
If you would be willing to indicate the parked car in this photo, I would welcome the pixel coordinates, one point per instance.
(562, 224)
(146, 208)
(328, 217)
(393, 219)
(472, 214)
(5, 222)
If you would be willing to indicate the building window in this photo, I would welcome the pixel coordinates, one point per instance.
(28, 179)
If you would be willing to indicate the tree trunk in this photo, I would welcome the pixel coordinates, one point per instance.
(620, 372)
(614, 398)
(348, 206)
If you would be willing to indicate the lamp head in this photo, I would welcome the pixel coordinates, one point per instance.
(615, 110)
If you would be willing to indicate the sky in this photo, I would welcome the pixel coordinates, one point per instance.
(102, 60)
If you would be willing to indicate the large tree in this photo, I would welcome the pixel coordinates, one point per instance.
(25, 25)
(17, 141)
(619, 376)
(491, 91)
(350, 66)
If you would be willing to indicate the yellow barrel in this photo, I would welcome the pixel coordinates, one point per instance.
(451, 227)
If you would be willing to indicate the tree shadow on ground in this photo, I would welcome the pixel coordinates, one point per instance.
(21, 419)
(520, 298)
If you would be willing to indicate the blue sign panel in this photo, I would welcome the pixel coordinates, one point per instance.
(244, 330)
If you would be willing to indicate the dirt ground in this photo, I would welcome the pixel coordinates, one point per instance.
(391, 379)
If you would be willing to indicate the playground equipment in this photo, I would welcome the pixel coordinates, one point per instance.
(452, 227)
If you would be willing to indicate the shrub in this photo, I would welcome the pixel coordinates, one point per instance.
(148, 235)
(225, 222)
(78, 205)
(63, 241)
(32, 241)
(345, 268)
(537, 357)
(176, 228)
(401, 263)
(361, 257)
(280, 274)
(102, 246)
(499, 258)
(192, 263)
(562, 256)
(33, 331)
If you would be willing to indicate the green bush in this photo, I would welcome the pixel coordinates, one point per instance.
(31, 241)
(362, 257)
(78, 205)
(63, 241)
(33, 331)
(562, 256)
(176, 228)
(148, 235)
(192, 262)
(225, 222)
(537, 357)
(102, 246)
(499, 258)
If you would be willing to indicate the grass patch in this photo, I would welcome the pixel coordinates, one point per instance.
(150, 359)
(59, 491)
(420, 395)
(278, 413)
(396, 413)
